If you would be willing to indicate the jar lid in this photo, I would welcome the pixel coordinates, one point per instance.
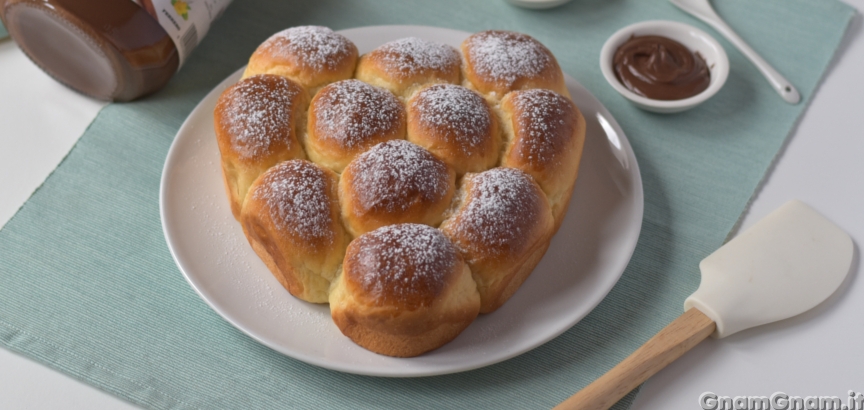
(110, 50)
(65, 48)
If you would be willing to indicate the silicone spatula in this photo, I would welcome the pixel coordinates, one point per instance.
(784, 265)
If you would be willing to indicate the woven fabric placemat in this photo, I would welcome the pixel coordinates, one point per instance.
(89, 287)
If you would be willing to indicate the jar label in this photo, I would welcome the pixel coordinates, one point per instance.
(186, 21)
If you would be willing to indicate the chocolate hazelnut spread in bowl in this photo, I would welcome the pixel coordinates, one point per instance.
(660, 68)
(664, 66)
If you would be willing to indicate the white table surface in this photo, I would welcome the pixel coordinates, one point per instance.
(820, 353)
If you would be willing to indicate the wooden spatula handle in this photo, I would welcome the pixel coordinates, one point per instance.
(669, 344)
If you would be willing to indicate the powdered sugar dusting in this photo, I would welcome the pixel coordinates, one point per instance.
(351, 112)
(258, 113)
(507, 56)
(395, 175)
(544, 125)
(315, 47)
(499, 213)
(412, 55)
(460, 112)
(297, 194)
(405, 263)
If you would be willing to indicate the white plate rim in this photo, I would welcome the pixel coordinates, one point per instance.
(624, 154)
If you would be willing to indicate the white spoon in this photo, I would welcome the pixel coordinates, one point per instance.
(786, 264)
(537, 4)
(702, 10)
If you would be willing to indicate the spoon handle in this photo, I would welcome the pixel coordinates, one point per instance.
(674, 340)
(707, 14)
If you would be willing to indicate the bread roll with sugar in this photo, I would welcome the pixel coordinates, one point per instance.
(502, 227)
(404, 290)
(347, 118)
(313, 56)
(395, 182)
(435, 178)
(291, 219)
(497, 62)
(546, 134)
(456, 125)
(403, 65)
(257, 122)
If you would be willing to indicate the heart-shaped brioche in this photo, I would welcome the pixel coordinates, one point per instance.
(434, 183)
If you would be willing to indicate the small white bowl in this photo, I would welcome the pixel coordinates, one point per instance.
(691, 37)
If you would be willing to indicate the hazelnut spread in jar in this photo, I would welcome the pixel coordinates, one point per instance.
(660, 68)
(110, 49)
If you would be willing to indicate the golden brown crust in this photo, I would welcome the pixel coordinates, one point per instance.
(395, 182)
(456, 125)
(406, 64)
(291, 218)
(257, 122)
(502, 227)
(402, 287)
(546, 137)
(497, 62)
(313, 56)
(403, 291)
(347, 118)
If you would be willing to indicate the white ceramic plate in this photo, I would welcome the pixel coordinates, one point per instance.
(584, 261)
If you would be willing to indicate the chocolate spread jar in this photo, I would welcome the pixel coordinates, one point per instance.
(110, 49)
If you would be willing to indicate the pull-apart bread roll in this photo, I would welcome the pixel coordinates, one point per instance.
(347, 118)
(497, 62)
(546, 133)
(403, 65)
(257, 122)
(435, 177)
(291, 219)
(502, 227)
(310, 55)
(404, 290)
(456, 125)
(395, 182)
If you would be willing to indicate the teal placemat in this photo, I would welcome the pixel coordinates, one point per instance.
(89, 287)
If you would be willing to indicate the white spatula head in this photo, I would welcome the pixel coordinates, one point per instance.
(786, 264)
